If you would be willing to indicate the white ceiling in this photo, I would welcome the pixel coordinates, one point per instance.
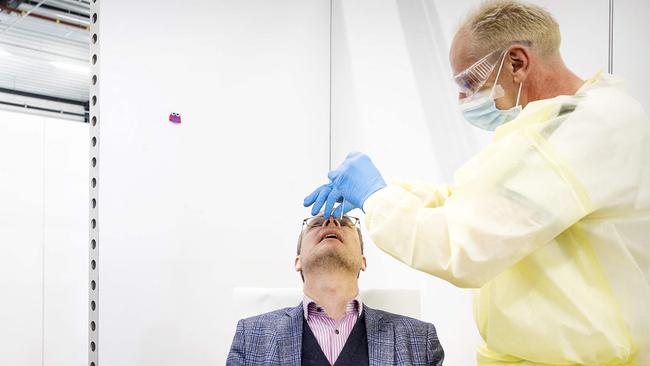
(42, 56)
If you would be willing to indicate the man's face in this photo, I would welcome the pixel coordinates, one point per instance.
(331, 244)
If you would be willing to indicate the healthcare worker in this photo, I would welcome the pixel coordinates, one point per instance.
(551, 221)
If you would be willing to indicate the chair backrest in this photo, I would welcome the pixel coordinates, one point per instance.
(253, 301)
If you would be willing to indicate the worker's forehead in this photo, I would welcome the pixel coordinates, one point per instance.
(459, 56)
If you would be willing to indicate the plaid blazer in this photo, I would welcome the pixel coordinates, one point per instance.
(275, 338)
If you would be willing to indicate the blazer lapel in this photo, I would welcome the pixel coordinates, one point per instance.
(381, 338)
(289, 336)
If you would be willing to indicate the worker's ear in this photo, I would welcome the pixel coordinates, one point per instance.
(519, 61)
(363, 263)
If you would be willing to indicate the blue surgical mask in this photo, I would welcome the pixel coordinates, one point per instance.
(481, 110)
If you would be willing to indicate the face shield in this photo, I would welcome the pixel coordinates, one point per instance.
(471, 80)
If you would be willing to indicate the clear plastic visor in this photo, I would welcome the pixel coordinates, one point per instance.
(471, 80)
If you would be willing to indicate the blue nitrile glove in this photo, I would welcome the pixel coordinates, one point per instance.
(351, 183)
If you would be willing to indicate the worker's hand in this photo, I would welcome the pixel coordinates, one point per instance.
(350, 184)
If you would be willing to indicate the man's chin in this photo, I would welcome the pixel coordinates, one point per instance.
(330, 260)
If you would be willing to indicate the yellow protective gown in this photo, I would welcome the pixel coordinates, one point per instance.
(551, 222)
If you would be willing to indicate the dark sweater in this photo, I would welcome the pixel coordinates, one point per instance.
(354, 353)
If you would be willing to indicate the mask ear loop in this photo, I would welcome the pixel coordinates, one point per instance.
(496, 81)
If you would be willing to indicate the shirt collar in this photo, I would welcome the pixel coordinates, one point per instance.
(310, 306)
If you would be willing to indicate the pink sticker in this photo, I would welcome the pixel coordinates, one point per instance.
(174, 118)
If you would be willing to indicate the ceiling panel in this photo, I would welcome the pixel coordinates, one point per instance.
(44, 47)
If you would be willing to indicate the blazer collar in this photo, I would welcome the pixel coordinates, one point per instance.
(289, 336)
(381, 337)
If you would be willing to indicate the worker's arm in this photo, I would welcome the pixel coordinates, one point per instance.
(509, 201)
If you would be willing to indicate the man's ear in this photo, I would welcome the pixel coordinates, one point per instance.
(297, 264)
(363, 263)
(519, 57)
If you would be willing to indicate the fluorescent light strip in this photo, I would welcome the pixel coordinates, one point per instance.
(80, 69)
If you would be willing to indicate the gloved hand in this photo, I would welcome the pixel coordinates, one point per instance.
(351, 184)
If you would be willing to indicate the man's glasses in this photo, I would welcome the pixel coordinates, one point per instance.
(318, 221)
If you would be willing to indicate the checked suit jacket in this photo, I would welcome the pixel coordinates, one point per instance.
(275, 339)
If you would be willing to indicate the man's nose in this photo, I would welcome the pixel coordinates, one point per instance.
(331, 220)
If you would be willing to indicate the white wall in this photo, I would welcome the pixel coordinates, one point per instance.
(631, 51)
(65, 250)
(188, 212)
(43, 235)
(21, 239)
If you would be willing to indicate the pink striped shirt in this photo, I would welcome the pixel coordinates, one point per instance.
(331, 335)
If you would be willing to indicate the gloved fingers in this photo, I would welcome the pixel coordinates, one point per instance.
(320, 200)
(337, 210)
(342, 209)
(313, 195)
(334, 195)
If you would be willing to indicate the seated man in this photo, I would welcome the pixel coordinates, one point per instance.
(331, 326)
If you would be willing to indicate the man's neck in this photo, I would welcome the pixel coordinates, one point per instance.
(331, 290)
(553, 80)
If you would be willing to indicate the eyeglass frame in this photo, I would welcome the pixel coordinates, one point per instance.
(355, 221)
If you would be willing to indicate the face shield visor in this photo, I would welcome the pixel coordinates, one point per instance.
(471, 80)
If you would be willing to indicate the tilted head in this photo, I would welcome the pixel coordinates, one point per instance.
(334, 244)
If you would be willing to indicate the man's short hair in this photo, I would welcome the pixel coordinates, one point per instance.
(496, 24)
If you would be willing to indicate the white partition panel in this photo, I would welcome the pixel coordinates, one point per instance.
(21, 239)
(189, 211)
(65, 248)
(43, 230)
(393, 98)
(631, 51)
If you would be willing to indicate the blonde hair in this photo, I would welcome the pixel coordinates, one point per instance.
(496, 24)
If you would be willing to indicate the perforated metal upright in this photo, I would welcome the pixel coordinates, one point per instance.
(95, 121)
